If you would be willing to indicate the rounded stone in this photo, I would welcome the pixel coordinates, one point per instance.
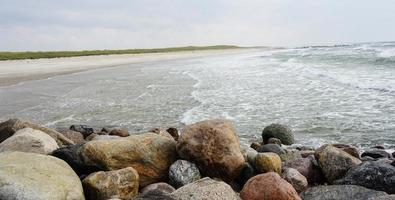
(267, 162)
(281, 132)
(183, 172)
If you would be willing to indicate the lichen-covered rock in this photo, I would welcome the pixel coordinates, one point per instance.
(376, 153)
(149, 154)
(296, 179)
(214, 147)
(308, 169)
(183, 172)
(282, 132)
(119, 132)
(32, 176)
(373, 175)
(8, 128)
(29, 140)
(267, 162)
(340, 192)
(122, 183)
(71, 156)
(274, 148)
(268, 186)
(334, 162)
(74, 136)
(205, 188)
(157, 188)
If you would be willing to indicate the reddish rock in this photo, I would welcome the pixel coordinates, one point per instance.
(214, 147)
(119, 132)
(74, 136)
(308, 169)
(296, 179)
(268, 186)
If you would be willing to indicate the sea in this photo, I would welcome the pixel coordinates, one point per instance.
(326, 94)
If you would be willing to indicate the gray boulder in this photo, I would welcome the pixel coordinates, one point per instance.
(274, 148)
(32, 176)
(205, 188)
(183, 172)
(340, 192)
(29, 140)
(373, 175)
(282, 132)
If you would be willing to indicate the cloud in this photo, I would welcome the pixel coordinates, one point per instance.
(102, 24)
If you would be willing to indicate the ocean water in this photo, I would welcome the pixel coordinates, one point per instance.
(342, 94)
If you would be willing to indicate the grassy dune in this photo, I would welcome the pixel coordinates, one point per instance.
(57, 54)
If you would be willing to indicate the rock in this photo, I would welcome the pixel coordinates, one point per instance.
(305, 148)
(29, 140)
(74, 136)
(119, 132)
(155, 195)
(348, 149)
(268, 186)
(91, 136)
(104, 137)
(205, 188)
(376, 153)
(282, 132)
(158, 188)
(249, 154)
(307, 168)
(70, 155)
(306, 154)
(247, 173)
(373, 175)
(83, 129)
(274, 141)
(149, 154)
(367, 158)
(173, 132)
(384, 197)
(106, 130)
(255, 145)
(378, 147)
(274, 148)
(289, 155)
(162, 132)
(122, 183)
(8, 128)
(334, 162)
(32, 176)
(393, 154)
(183, 172)
(340, 192)
(214, 147)
(267, 162)
(296, 179)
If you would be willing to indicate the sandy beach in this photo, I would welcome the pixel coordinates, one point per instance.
(16, 71)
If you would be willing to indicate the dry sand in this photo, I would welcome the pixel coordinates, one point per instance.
(16, 71)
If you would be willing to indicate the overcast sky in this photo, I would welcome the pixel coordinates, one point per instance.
(115, 24)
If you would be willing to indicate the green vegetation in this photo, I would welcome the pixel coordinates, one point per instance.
(57, 54)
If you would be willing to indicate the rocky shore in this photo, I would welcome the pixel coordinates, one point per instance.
(204, 161)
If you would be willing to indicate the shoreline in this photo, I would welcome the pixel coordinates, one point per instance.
(13, 72)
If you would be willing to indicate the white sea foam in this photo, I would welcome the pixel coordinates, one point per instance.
(387, 53)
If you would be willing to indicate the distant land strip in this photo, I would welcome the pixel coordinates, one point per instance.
(8, 55)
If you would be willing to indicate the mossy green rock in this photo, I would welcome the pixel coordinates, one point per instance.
(31, 176)
(267, 162)
(282, 132)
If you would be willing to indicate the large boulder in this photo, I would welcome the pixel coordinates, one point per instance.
(150, 154)
(122, 183)
(267, 162)
(71, 156)
(334, 162)
(373, 175)
(10, 127)
(29, 140)
(183, 172)
(295, 178)
(268, 186)
(340, 192)
(282, 132)
(214, 147)
(307, 167)
(384, 197)
(32, 176)
(205, 188)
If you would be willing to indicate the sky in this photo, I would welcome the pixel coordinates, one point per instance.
(123, 24)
